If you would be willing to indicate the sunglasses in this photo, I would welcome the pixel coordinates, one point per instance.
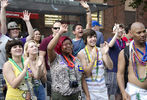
(55, 28)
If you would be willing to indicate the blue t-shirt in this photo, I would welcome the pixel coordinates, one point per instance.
(114, 53)
(100, 38)
(77, 46)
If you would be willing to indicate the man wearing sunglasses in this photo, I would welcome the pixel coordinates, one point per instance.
(43, 53)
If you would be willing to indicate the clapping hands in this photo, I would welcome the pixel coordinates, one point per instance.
(104, 48)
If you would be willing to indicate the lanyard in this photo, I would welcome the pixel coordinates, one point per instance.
(96, 62)
(70, 63)
(18, 67)
(63, 59)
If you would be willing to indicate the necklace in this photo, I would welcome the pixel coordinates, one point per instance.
(70, 63)
(96, 62)
(18, 67)
(136, 58)
(120, 44)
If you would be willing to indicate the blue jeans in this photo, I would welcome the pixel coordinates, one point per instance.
(39, 92)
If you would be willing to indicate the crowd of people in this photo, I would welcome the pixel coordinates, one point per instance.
(83, 68)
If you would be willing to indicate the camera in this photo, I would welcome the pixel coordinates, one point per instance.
(73, 84)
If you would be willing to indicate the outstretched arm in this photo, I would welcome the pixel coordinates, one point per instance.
(54, 41)
(26, 18)
(88, 13)
(120, 75)
(4, 4)
(115, 30)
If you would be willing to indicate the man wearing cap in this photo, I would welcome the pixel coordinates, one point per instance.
(100, 37)
(14, 29)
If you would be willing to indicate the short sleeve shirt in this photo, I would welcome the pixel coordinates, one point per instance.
(60, 76)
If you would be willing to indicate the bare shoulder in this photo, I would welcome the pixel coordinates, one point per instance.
(7, 67)
(80, 54)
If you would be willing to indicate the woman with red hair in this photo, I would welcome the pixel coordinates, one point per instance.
(64, 67)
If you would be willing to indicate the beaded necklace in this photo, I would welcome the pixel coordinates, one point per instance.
(70, 63)
(136, 58)
(120, 45)
(18, 67)
(96, 62)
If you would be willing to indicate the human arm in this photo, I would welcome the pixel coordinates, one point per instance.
(42, 55)
(85, 87)
(4, 4)
(120, 75)
(115, 31)
(105, 55)
(54, 41)
(88, 14)
(87, 67)
(9, 74)
(26, 18)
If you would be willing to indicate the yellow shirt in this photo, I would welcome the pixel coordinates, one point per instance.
(18, 93)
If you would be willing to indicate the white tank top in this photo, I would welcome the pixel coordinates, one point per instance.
(97, 84)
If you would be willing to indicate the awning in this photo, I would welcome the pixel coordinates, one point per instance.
(53, 6)
(13, 14)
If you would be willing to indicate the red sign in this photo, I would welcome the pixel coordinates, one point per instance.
(20, 14)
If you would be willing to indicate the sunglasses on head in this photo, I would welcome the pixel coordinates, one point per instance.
(55, 28)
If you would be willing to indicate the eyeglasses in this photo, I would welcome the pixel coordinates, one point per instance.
(55, 28)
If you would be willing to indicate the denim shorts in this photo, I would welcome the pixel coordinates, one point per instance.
(111, 83)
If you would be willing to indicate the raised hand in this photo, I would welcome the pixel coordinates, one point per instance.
(63, 29)
(116, 28)
(4, 3)
(26, 16)
(104, 48)
(84, 4)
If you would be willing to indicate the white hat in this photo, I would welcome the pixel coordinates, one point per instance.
(12, 25)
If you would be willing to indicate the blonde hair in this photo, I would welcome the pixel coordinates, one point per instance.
(26, 48)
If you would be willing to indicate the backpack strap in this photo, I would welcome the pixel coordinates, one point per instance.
(126, 55)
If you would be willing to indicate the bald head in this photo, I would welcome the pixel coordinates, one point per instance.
(136, 25)
(138, 32)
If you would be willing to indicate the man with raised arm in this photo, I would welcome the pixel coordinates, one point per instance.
(136, 88)
(78, 42)
(3, 41)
